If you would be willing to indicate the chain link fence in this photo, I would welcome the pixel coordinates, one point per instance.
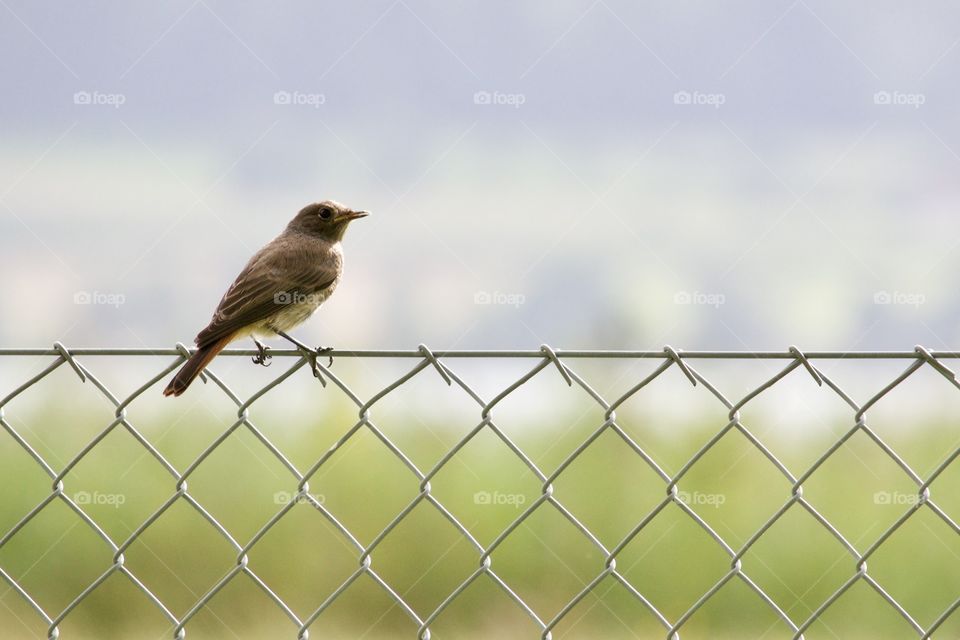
(365, 549)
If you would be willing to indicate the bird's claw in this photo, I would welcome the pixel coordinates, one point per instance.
(262, 356)
(325, 351)
(312, 358)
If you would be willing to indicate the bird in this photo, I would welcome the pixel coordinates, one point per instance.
(281, 286)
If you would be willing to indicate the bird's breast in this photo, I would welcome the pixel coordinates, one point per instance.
(299, 309)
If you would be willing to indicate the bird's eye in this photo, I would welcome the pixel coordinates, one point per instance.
(326, 213)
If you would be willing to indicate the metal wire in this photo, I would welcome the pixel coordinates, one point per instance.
(544, 358)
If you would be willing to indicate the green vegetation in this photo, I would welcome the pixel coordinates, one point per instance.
(673, 561)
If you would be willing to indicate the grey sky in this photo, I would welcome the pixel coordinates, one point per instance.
(784, 202)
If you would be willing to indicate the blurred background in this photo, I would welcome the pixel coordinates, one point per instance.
(604, 174)
(503, 148)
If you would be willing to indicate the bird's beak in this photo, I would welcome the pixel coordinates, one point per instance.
(353, 215)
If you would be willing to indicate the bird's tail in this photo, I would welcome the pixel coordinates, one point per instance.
(192, 367)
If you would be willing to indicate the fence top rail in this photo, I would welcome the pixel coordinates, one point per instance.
(504, 353)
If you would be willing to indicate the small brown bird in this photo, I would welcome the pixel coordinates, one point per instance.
(281, 286)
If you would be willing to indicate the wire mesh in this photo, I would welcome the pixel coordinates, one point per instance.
(366, 549)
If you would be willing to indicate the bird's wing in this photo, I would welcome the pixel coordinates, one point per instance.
(277, 276)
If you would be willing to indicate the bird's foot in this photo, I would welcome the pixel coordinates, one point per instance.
(262, 356)
(324, 351)
(311, 357)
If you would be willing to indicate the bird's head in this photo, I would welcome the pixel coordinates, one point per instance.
(327, 219)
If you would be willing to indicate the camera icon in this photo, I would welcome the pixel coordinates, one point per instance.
(283, 297)
(682, 97)
(682, 297)
(882, 97)
(882, 497)
(82, 497)
(281, 97)
(482, 497)
(482, 97)
(882, 297)
(81, 297)
(282, 497)
(81, 97)
(482, 297)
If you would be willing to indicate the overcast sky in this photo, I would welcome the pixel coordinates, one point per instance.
(605, 174)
